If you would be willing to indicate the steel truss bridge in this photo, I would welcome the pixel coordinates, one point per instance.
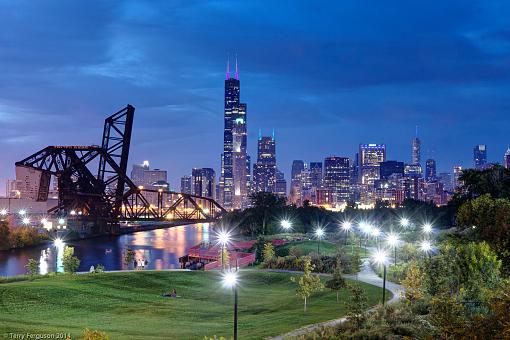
(94, 190)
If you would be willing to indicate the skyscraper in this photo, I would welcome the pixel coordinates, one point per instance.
(506, 159)
(137, 174)
(389, 168)
(457, 171)
(295, 184)
(430, 170)
(316, 174)
(203, 182)
(186, 185)
(370, 157)
(336, 178)
(264, 171)
(281, 184)
(416, 151)
(234, 163)
(480, 156)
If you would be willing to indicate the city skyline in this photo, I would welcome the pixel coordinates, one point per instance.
(319, 103)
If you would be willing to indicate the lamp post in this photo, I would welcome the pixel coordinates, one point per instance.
(393, 241)
(230, 281)
(376, 232)
(223, 240)
(59, 245)
(380, 257)
(404, 222)
(286, 225)
(426, 247)
(319, 232)
(347, 227)
(427, 228)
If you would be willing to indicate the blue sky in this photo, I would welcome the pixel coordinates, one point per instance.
(326, 75)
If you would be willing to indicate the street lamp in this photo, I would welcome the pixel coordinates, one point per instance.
(22, 212)
(404, 222)
(230, 280)
(427, 228)
(347, 227)
(376, 232)
(223, 239)
(61, 221)
(381, 258)
(3, 212)
(319, 232)
(26, 221)
(393, 240)
(426, 247)
(286, 225)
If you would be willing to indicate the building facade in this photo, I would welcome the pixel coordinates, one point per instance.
(430, 170)
(480, 156)
(186, 185)
(264, 170)
(234, 177)
(203, 180)
(337, 179)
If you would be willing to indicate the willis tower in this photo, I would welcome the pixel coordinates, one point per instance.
(235, 163)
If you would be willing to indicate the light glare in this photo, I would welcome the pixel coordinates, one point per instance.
(230, 279)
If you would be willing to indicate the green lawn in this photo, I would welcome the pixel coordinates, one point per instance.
(129, 305)
(326, 247)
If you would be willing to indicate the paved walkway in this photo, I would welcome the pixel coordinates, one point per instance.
(366, 275)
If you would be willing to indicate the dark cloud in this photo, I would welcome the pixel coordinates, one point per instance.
(325, 75)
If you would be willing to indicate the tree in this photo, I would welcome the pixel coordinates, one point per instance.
(488, 219)
(268, 253)
(32, 267)
(264, 206)
(70, 262)
(356, 262)
(357, 306)
(129, 257)
(413, 283)
(5, 232)
(337, 282)
(224, 258)
(446, 314)
(308, 283)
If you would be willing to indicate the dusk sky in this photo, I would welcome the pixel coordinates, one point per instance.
(325, 75)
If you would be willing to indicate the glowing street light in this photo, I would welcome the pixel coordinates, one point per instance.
(44, 221)
(426, 247)
(3, 212)
(393, 240)
(427, 228)
(224, 239)
(58, 243)
(319, 232)
(26, 221)
(61, 221)
(375, 232)
(381, 258)
(22, 212)
(346, 226)
(230, 280)
(286, 225)
(404, 222)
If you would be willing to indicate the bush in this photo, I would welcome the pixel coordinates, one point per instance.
(94, 335)
(70, 262)
(99, 269)
(32, 267)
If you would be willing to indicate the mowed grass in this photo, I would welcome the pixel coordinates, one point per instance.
(307, 247)
(129, 305)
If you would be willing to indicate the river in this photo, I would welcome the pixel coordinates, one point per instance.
(161, 248)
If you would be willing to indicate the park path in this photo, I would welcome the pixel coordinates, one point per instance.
(366, 275)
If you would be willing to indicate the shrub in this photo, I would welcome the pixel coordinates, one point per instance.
(70, 262)
(32, 267)
(94, 335)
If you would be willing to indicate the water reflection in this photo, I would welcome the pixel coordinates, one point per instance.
(161, 248)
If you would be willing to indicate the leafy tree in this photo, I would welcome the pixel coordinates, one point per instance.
(488, 219)
(337, 282)
(413, 283)
(308, 283)
(224, 258)
(356, 262)
(129, 257)
(268, 252)
(32, 267)
(94, 335)
(70, 262)
(446, 314)
(494, 181)
(357, 306)
(4, 235)
(265, 205)
(470, 271)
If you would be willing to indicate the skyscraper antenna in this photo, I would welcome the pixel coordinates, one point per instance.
(273, 133)
(260, 134)
(416, 131)
(227, 77)
(237, 72)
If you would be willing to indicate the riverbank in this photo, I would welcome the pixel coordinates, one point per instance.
(129, 305)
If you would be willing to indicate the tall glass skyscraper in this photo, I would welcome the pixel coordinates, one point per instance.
(430, 170)
(370, 158)
(336, 178)
(264, 170)
(506, 159)
(480, 156)
(233, 184)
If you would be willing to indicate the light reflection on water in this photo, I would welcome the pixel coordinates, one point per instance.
(161, 248)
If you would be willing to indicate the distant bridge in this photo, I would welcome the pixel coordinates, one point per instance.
(94, 191)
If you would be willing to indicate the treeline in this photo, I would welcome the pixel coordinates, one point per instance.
(18, 237)
(268, 210)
